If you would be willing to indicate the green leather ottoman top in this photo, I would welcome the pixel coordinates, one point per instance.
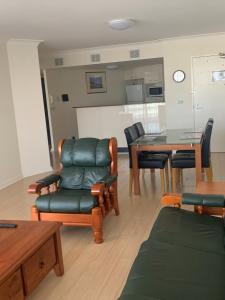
(183, 259)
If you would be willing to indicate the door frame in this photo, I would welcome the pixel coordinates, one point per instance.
(48, 110)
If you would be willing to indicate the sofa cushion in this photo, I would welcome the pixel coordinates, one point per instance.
(86, 152)
(165, 271)
(82, 178)
(71, 178)
(67, 201)
(188, 229)
(183, 258)
(66, 154)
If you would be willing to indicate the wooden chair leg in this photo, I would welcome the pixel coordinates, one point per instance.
(97, 221)
(209, 174)
(34, 213)
(130, 181)
(152, 171)
(114, 192)
(178, 175)
(174, 179)
(143, 172)
(162, 176)
(181, 177)
(167, 176)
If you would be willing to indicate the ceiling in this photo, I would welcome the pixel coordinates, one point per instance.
(71, 24)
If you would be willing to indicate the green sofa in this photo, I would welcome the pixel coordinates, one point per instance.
(183, 258)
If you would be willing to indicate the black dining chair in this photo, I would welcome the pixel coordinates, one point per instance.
(141, 132)
(210, 120)
(146, 160)
(182, 161)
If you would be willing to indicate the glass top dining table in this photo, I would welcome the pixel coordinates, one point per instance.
(170, 139)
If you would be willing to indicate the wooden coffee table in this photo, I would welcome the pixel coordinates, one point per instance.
(214, 188)
(27, 254)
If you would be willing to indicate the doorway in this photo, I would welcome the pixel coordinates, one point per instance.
(209, 96)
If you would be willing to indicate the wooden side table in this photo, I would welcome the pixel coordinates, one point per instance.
(214, 188)
(27, 254)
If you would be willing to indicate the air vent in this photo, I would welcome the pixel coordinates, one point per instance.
(95, 57)
(59, 61)
(134, 53)
(222, 54)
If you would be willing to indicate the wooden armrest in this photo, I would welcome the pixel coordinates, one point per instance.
(97, 189)
(108, 180)
(46, 182)
(171, 199)
(35, 188)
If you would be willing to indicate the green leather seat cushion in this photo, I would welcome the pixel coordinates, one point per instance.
(67, 201)
(171, 272)
(183, 258)
(188, 229)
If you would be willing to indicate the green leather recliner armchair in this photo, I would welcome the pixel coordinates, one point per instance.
(85, 188)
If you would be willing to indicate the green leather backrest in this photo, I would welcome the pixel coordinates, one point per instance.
(85, 161)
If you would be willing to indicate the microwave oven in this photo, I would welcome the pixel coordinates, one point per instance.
(153, 90)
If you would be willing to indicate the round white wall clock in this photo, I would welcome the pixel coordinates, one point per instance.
(178, 76)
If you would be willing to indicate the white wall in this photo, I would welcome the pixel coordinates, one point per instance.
(71, 81)
(177, 54)
(9, 151)
(28, 105)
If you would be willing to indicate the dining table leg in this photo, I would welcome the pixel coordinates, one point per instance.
(134, 154)
(198, 163)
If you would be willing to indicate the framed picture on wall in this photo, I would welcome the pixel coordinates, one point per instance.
(96, 82)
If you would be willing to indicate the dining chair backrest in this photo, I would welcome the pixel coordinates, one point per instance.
(205, 149)
(210, 120)
(139, 128)
(131, 136)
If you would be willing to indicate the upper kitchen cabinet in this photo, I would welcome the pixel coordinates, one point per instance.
(152, 73)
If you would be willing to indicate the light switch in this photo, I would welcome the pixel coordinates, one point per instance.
(180, 101)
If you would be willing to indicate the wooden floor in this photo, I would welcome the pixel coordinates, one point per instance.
(99, 272)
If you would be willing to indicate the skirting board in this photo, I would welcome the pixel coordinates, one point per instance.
(14, 179)
(39, 172)
(10, 181)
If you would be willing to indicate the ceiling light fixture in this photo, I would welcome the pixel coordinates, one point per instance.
(121, 24)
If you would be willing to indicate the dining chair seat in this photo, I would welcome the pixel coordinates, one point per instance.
(185, 151)
(152, 161)
(166, 152)
(183, 161)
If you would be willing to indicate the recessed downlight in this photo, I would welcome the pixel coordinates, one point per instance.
(121, 24)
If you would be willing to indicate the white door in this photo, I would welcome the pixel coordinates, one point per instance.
(209, 97)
